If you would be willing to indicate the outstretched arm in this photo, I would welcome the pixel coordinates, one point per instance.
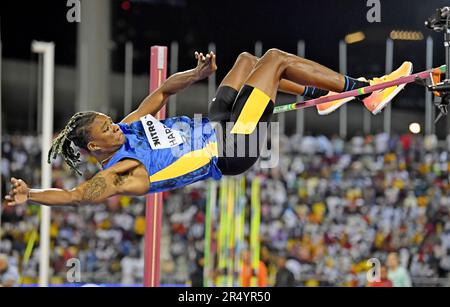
(206, 65)
(120, 179)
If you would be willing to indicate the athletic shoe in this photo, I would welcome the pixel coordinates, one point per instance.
(331, 106)
(379, 99)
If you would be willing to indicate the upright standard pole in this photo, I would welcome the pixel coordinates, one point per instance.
(153, 215)
(48, 51)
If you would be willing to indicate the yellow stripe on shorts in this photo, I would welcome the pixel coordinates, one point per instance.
(250, 115)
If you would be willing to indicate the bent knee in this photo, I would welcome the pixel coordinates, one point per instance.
(275, 55)
(248, 58)
(274, 52)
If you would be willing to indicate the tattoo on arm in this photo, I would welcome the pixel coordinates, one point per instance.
(94, 188)
(120, 179)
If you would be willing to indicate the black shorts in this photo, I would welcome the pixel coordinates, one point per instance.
(239, 148)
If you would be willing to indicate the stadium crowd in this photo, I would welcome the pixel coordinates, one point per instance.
(327, 208)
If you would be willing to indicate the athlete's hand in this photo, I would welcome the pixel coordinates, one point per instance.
(18, 194)
(206, 65)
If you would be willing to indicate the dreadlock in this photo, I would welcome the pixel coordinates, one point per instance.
(76, 132)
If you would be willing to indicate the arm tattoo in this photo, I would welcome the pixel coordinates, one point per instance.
(94, 188)
(120, 179)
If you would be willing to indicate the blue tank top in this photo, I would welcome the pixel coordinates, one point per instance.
(172, 168)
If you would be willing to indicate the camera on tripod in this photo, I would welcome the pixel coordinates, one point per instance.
(440, 22)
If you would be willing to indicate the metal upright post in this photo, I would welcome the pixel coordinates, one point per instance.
(48, 51)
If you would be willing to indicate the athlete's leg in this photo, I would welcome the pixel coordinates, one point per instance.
(241, 70)
(276, 65)
(254, 105)
(220, 108)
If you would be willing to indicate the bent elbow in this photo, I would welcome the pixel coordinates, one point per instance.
(76, 197)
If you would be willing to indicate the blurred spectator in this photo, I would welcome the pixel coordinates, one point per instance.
(284, 277)
(384, 280)
(9, 275)
(197, 274)
(329, 206)
(246, 273)
(430, 142)
(397, 274)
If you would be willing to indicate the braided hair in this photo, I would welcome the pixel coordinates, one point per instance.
(76, 132)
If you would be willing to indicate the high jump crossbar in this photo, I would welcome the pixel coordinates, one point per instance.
(361, 91)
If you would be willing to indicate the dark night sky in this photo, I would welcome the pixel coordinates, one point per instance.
(234, 26)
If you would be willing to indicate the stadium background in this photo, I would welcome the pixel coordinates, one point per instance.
(333, 202)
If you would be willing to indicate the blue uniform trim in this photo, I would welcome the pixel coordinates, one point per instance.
(197, 135)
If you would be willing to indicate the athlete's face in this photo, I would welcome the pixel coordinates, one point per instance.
(105, 135)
